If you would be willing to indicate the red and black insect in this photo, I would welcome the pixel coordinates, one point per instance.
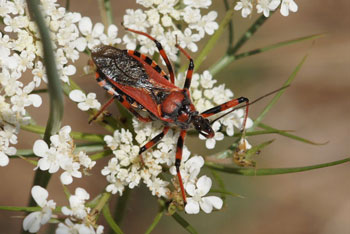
(139, 84)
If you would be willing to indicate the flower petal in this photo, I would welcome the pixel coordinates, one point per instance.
(40, 148)
(85, 25)
(215, 201)
(204, 184)
(77, 95)
(39, 195)
(4, 159)
(191, 207)
(66, 178)
(31, 223)
(205, 205)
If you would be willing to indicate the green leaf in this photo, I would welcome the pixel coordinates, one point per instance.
(184, 223)
(226, 60)
(278, 94)
(255, 149)
(271, 171)
(220, 183)
(225, 192)
(107, 215)
(294, 137)
(274, 46)
(21, 208)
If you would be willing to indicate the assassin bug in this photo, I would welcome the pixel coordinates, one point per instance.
(139, 84)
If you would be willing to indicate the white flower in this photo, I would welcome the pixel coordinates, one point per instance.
(206, 24)
(153, 16)
(62, 140)
(158, 187)
(92, 35)
(266, 6)
(191, 15)
(74, 228)
(115, 186)
(198, 3)
(187, 39)
(71, 170)
(206, 80)
(235, 119)
(246, 7)
(49, 156)
(77, 204)
(219, 136)
(288, 5)
(111, 37)
(35, 220)
(197, 198)
(85, 102)
(135, 19)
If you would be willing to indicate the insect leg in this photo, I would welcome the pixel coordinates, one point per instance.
(101, 110)
(228, 105)
(190, 68)
(180, 143)
(152, 142)
(161, 51)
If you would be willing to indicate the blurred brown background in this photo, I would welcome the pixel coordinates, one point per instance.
(316, 106)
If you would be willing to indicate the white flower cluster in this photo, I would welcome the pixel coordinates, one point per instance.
(206, 95)
(78, 212)
(61, 154)
(166, 20)
(265, 6)
(21, 50)
(126, 168)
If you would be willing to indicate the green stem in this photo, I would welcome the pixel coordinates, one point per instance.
(184, 223)
(279, 94)
(230, 54)
(105, 12)
(271, 171)
(107, 214)
(230, 27)
(100, 155)
(155, 220)
(20, 208)
(54, 85)
(101, 203)
(121, 206)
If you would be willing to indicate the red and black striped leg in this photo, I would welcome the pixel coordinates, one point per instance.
(161, 51)
(190, 68)
(228, 105)
(180, 143)
(152, 142)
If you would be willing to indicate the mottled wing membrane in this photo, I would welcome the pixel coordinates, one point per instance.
(118, 66)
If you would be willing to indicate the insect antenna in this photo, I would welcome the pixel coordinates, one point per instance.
(250, 103)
